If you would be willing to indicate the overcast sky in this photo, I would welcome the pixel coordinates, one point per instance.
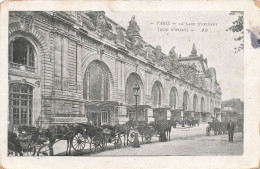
(215, 43)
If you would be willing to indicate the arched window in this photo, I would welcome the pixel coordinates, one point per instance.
(21, 52)
(185, 100)
(129, 93)
(96, 82)
(156, 95)
(173, 98)
(20, 104)
(195, 102)
(202, 104)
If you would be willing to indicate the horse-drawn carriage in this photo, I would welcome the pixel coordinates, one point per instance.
(217, 127)
(97, 137)
(29, 141)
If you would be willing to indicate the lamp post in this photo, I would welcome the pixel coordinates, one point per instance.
(183, 106)
(136, 141)
(136, 88)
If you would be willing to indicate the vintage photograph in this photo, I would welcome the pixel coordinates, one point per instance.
(125, 83)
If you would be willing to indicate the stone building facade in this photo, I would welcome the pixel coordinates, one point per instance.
(68, 67)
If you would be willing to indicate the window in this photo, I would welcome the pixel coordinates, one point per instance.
(21, 52)
(173, 98)
(129, 93)
(96, 83)
(141, 116)
(131, 115)
(156, 95)
(20, 104)
(195, 103)
(185, 100)
(104, 117)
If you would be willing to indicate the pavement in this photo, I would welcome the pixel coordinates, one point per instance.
(185, 141)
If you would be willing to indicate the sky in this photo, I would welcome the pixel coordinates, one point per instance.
(212, 40)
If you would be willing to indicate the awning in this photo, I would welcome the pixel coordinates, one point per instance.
(162, 108)
(97, 104)
(139, 107)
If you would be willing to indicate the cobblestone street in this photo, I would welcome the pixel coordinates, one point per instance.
(184, 141)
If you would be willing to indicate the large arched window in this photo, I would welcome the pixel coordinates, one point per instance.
(185, 100)
(21, 52)
(157, 95)
(20, 104)
(173, 98)
(202, 104)
(129, 93)
(96, 82)
(195, 102)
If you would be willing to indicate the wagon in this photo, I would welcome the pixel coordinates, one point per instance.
(97, 137)
(217, 127)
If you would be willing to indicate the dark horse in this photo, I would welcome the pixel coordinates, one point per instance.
(61, 132)
(14, 144)
(123, 129)
(163, 128)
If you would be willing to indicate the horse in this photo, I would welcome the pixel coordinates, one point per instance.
(172, 122)
(14, 144)
(123, 129)
(189, 123)
(60, 132)
(195, 122)
(163, 129)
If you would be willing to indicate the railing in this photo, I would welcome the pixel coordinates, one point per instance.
(21, 67)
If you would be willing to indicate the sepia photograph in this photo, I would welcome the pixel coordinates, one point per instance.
(99, 83)
(120, 84)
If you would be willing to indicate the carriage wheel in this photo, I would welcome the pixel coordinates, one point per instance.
(118, 143)
(31, 149)
(97, 143)
(208, 131)
(78, 142)
(44, 150)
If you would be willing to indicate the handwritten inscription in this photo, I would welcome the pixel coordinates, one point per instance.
(167, 26)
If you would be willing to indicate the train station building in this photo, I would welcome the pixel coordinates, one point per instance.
(69, 67)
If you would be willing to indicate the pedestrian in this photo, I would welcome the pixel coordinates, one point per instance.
(230, 129)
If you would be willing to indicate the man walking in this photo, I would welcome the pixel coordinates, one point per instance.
(230, 129)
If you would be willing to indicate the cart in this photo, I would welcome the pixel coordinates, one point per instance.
(97, 137)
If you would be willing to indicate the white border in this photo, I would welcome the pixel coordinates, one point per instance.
(250, 158)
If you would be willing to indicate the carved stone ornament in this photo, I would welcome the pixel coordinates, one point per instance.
(38, 83)
(101, 24)
(98, 19)
(101, 51)
(172, 54)
(133, 29)
(120, 39)
(136, 46)
(23, 80)
(79, 19)
(136, 63)
(158, 54)
(26, 21)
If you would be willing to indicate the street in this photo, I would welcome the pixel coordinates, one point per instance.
(185, 141)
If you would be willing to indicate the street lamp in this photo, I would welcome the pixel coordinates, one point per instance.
(183, 106)
(136, 88)
(136, 143)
